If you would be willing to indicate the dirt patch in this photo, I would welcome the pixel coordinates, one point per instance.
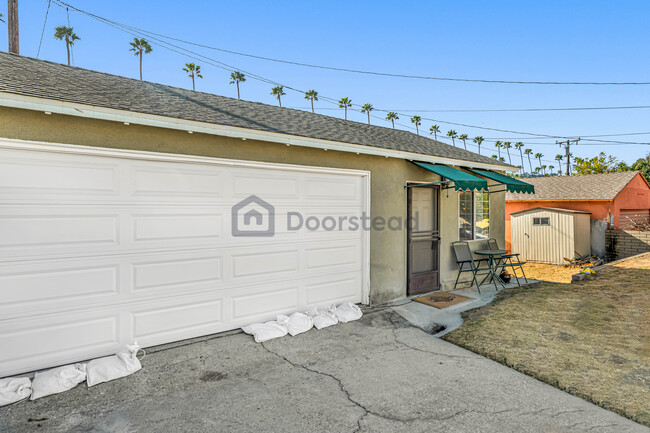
(550, 273)
(591, 338)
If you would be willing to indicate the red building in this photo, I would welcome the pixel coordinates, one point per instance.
(621, 199)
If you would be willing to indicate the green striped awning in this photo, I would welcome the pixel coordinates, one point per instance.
(462, 180)
(512, 184)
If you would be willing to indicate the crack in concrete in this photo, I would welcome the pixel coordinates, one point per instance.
(367, 411)
(398, 341)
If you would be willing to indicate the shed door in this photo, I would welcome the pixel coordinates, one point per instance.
(96, 251)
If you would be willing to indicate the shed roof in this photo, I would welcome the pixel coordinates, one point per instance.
(38, 78)
(551, 209)
(604, 186)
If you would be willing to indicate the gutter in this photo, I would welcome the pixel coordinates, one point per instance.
(49, 106)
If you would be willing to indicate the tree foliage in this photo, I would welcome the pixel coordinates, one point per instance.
(598, 164)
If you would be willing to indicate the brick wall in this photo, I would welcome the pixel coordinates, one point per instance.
(621, 244)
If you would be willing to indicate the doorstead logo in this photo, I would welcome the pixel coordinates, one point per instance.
(253, 217)
(256, 217)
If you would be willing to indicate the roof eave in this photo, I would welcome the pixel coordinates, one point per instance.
(34, 103)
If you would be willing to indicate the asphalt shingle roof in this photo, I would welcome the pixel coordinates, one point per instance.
(43, 79)
(586, 187)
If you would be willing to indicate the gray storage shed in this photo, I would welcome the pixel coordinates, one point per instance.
(548, 235)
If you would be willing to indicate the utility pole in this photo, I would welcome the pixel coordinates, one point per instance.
(12, 25)
(567, 148)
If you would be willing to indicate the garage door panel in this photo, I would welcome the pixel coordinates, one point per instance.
(177, 272)
(55, 175)
(207, 227)
(266, 263)
(333, 257)
(342, 289)
(54, 341)
(38, 285)
(264, 305)
(173, 321)
(56, 230)
(267, 185)
(156, 183)
(340, 189)
(96, 251)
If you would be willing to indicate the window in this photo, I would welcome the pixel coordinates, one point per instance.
(473, 215)
(541, 221)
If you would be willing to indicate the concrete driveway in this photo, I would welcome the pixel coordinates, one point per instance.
(378, 374)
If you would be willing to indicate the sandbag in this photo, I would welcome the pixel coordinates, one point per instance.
(297, 323)
(348, 312)
(14, 389)
(266, 331)
(57, 380)
(114, 367)
(323, 316)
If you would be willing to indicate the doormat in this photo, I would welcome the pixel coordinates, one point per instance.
(441, 300)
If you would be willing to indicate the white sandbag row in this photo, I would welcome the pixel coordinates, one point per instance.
(297, 323)
(60, 379)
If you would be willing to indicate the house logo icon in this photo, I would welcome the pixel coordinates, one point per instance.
(253, 217)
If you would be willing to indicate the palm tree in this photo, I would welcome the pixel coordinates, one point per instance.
(518, 146)
(502, 159)
(67, 34)
(544, 169)
(236, 78)
(392, 116)
(539, 156)
(1, 17)
(550, 169)
(345, 103)
(464, 137)
(435, 129)
(451, 133)
(193, 71)
(559, 158)
(537, 169)
(478, 140)
(278, 91)
(418, 121)
(498, 145)
(140, 47)
(367, 108)
(312, 95)
(507, 146)
(495, 157)
(530, 164)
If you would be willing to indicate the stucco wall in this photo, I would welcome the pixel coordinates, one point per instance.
(388, 178)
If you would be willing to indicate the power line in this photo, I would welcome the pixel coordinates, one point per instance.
(498, 110)
(384, 74)
(47, 11)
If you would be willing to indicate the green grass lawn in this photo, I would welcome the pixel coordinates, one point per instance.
(591, 339)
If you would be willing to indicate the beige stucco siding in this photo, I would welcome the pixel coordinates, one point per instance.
(388, 178)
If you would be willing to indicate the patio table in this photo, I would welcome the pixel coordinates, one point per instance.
(492, 254)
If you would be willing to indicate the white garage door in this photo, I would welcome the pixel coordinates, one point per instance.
(100, 247)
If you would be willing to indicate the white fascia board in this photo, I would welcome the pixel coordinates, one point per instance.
(100, 113)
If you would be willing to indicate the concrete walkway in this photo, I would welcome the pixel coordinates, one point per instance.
(428, 318)
(379, 374)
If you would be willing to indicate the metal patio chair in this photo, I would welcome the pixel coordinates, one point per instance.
(506, 261)
(467, 263)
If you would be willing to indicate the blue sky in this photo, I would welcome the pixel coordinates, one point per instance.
(503, 40)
